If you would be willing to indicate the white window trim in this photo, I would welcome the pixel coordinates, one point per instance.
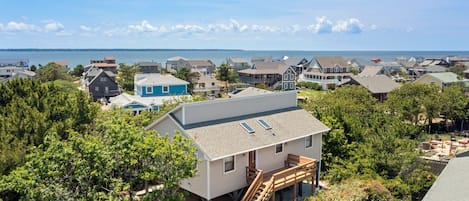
(149, 92)
(234, 165)
(306, 142)
(162, 89)
(275, 149)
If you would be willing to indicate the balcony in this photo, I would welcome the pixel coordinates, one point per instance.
(264, 185)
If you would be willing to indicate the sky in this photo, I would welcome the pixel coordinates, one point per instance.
(236, 24)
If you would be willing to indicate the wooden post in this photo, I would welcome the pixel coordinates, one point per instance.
(294, 192)
(312, 185)
(273, 195)
(300, 188)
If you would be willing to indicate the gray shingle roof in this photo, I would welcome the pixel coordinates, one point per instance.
(376, 84)
(293, 61)
(277, 67)
(147, 63)
(371, 71)
(152, 79)
(331, 61)
(453, 182)
(445, 77)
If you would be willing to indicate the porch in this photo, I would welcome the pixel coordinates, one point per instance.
(264, 185)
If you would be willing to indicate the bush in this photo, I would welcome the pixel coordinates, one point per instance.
(309, 85)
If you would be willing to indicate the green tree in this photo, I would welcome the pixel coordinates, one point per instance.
(454, 103)
(227, 75)
(78, 70)
(33, 68)
(458, 70)
(53, 71)
(126, 76)
(189, 76)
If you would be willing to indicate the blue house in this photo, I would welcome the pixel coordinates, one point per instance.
(151, 91)
(155, 84)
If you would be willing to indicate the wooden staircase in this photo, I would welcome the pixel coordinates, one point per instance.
(263, 186)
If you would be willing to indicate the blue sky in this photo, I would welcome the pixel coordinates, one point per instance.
(236, 24)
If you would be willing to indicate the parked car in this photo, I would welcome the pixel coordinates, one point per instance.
(453, 138)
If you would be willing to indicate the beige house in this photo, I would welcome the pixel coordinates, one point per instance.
(440, 80)
(252, 143)
(207, 85)
(328, 70)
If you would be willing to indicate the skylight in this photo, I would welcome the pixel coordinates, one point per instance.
(264, 124)
(247, 127)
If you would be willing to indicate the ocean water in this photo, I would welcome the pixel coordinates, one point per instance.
(131, 56)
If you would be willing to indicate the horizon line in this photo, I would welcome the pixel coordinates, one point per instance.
(216, 49)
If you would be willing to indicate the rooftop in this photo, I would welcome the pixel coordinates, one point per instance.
(445, 77)
(331, 61)
(452, 182)
(250, 91)
(195, 63)
(276, 67)
(176, 58)
(376, 84)
(158, 79)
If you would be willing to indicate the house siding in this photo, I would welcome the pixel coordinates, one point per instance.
(113, 87)
(266, 160)
(158, 91)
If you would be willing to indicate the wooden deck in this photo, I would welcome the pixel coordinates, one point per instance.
(263, 185)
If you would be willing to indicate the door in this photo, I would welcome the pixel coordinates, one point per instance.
(252, 159)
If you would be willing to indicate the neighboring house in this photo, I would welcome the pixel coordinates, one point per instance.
(419, 71)
(149, 67)
(275, 75)
(327, 70)
(434, 62)
(207, 85)
(204, 67)
(256, 59)
(107, 64)
(372, 71)
(237, 64)
(250, 91)
(451, 184)
(151, 91)
(176, 63)
(458, 60)
(155, 84)
(24, 74)
(9, 67)
(440, 80)
(244, 141)
(100, 83)
(466, 73)
(378, 85)
(63, 64)
(298, 64)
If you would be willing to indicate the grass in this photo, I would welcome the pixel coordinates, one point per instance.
(311, 94)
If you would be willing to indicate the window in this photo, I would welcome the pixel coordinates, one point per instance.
(285, 76)
(292, 85)
(285, 85)
(229, 163)
(149, 90)
(106, 90)
(247, 127)
(165, 89)
(96, 88)
(202, 85)
(264, 124)
(278, 148)
(103, 79)
(308, 141)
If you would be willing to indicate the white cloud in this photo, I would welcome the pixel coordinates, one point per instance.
(144, 26)
(20, 26)
(85, 28)
(373, 27)
(53, 26)
(351, 25)
(323, 25)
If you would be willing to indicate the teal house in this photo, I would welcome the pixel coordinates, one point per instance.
(151, 91)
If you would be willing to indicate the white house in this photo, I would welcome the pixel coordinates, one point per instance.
(244, 142)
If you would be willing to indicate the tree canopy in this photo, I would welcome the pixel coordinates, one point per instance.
(126, 76)
(53, 71)
(189, 76)
(226, 74)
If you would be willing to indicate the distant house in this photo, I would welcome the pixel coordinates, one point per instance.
(245, 142)
(378, 85)
(299, 64)
(372, 71)
(256, 59)
(275, 75)
(100, 83)
(176, 63)
(451, 184)
(207, 85)
(204, 67)
(237, 64)
(106, 64)
(419, 71)
(250, 91)
(458, 60)
(434, 62)
(149, 67)
(440, 80)
(63, 64)
(155, 84)
(327, 70)
(9, 67)
(151, 91)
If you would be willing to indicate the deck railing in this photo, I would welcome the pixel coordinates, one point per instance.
(255, 178)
